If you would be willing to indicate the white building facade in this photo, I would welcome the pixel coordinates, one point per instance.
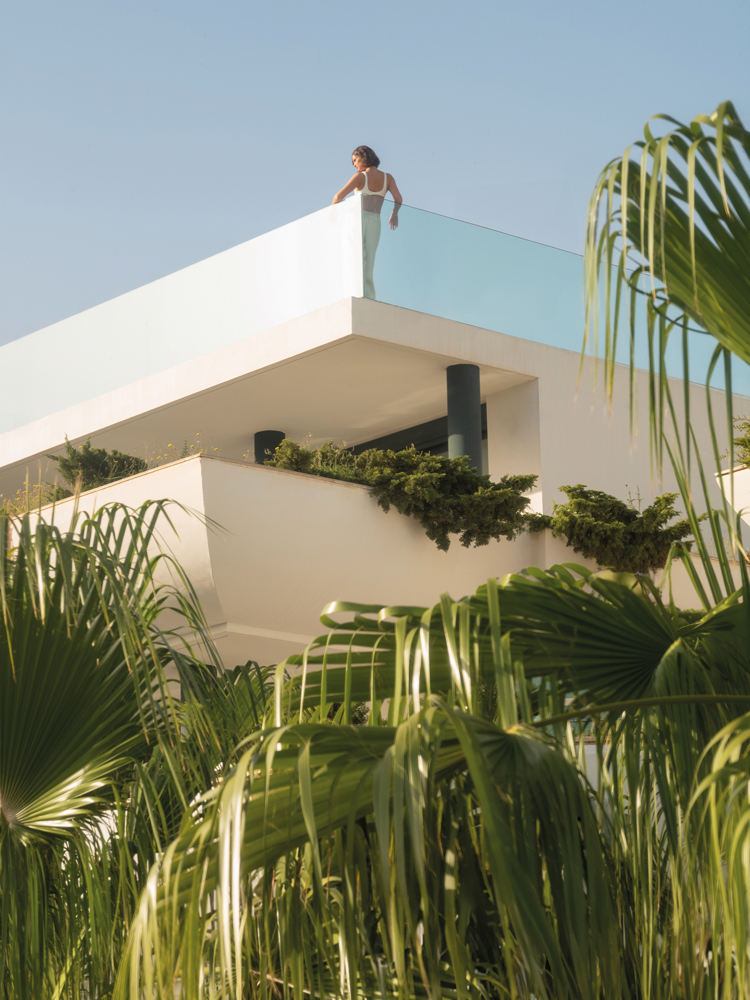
(276, 335)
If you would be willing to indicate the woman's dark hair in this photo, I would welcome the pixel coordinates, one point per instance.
(368, 155)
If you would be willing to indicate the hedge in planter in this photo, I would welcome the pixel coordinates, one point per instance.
(614, 533)
(443, 494)
(85, 467)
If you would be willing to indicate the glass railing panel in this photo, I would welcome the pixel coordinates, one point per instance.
(446, 267)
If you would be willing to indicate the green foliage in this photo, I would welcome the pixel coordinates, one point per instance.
(668, 241)
(673, 211)
(466, 842)
(443, 494)
(612, 532)
(742, 443)
(85, 467)
(458, 839)
(95, 766)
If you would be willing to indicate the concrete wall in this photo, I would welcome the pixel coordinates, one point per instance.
(514, 435)
(314, 375)
(286, 273)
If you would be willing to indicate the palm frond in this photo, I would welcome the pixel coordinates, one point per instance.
(455, 844)
(672, 224)
(668, 233)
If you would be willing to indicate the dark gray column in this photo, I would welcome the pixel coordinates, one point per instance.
(266, 441)
(465, 414)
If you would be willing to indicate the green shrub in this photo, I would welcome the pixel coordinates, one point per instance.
(443, 494)
(85, 467)
(742, 443)
(614, 533)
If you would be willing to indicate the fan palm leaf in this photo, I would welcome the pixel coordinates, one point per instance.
(84, 698)
(604, 639)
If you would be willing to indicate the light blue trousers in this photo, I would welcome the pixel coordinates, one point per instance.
(370, 240)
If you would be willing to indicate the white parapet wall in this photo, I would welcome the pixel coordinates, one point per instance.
(255, 286)
(266, 550)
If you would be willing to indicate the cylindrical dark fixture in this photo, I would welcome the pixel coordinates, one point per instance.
(465, 414)
(266, 441)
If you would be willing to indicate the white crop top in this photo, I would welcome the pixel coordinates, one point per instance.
(378, 194)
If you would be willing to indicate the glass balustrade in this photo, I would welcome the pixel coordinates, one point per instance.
(445, 267)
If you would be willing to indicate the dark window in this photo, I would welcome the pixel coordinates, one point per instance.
(431, 437)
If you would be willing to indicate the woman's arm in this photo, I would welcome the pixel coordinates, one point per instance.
(353, 185)
(398, 200)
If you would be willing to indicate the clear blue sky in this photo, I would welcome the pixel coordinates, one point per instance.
(139, 137)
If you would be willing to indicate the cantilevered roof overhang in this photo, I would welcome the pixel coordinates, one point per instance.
(351, 372)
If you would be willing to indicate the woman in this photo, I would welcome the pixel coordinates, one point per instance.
(373, 185)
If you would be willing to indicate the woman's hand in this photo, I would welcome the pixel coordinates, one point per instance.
(393, 188)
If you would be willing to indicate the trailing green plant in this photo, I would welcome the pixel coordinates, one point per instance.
(613, 533)
(444, 495)
(85, 467)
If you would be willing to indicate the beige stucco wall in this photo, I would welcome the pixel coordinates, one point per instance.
(565, 427)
